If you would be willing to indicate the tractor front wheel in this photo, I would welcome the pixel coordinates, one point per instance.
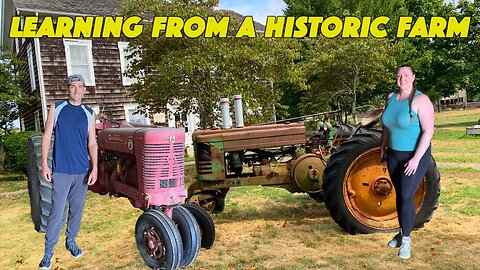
(158, 240)
(205, 222)
(359, 193)
(190, 233)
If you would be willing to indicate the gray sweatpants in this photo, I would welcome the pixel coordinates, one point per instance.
(71, 188)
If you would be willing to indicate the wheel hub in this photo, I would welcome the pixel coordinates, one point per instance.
(153, 242)
(314, 175)
(382, 186)
(307, 173)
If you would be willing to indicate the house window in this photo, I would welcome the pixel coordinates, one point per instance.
(22, 124)
(79, 59)
(36, 116)
(125, 62)
(181, 121)
(159, 118)
(31, 68)
(132, 116)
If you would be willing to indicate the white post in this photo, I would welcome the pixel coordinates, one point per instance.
(225, 107)
(237, 103)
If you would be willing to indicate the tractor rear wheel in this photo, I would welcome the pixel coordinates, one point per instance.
(205, 222)
(343, 130)
(359, 193)
(158, 240)
(39, 190)
(213, 204)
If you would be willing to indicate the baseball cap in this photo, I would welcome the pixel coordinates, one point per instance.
(75, 78)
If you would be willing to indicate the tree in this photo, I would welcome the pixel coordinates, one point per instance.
(196, 73)
(444, 65)
(11, 94)
(340, 70)
(343, 73)
(342, 7)
(471, 48)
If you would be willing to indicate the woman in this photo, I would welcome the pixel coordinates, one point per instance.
(408, 122)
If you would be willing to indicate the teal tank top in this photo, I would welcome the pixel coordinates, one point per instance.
(404, 133)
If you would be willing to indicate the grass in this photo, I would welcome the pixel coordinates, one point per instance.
(189, 159)
(450, 142)
(269, 228)
(451, 125)
(12, 186)
(461, 193)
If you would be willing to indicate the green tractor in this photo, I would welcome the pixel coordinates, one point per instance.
(352, 181)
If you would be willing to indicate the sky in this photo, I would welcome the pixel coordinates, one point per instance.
(259, 9)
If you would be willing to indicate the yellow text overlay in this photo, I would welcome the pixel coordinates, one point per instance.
(275, 27)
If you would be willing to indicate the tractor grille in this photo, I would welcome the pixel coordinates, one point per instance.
(163, 165)
(204, 161)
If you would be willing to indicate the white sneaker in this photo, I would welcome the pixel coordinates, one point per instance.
(396, 241)
(404, 251)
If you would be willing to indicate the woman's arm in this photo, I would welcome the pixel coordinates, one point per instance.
(384, 140)
(383, 143)
(425, 113)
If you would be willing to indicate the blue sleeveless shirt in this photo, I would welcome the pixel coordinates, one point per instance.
(70, 153)
(404, 134)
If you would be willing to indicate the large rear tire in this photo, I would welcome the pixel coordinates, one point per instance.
(343, 130)
(158, 240)
(359, 193)
(39, 190)
(205, 222)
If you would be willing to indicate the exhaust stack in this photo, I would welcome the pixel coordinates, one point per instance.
(225, 108)
(237, 103)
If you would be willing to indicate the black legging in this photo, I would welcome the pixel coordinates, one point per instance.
(406, 186)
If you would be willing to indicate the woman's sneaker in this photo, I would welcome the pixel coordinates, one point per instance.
(46, 261)
(396, 241)
(73, 248)
(404, 251)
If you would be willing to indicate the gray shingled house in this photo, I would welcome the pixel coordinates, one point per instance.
(49, 60)
(102, 62)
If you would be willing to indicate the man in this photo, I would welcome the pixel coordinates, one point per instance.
(74, 125)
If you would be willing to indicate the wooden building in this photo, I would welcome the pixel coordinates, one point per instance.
(49, 61)
(102, 62)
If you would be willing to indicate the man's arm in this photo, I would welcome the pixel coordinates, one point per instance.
(93, 152)
(47, 136)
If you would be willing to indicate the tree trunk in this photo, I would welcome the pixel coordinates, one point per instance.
(354, 102)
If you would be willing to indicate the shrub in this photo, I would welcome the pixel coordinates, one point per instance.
(15, 148)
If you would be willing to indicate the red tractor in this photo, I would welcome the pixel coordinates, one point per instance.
(146, 165)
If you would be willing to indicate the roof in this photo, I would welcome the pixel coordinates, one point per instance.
(258, 26)
(84, 7)
(90, 7)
